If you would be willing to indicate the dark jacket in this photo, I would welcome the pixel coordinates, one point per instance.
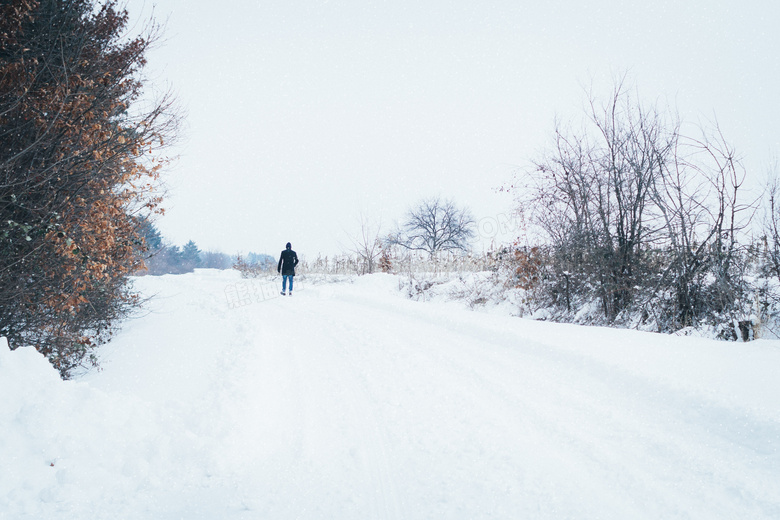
(287, 262)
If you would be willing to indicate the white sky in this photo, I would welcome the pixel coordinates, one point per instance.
(304, 114)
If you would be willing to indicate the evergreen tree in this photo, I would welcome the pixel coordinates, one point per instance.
(152, 238)
(190, 256)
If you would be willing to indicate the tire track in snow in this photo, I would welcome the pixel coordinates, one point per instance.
(518, 417)
(334, 344)
(544, 431)
(595, 392)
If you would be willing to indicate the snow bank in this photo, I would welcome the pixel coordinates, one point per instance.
(71, 451)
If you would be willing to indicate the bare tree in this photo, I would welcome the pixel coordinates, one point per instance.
(435, 226)
(367, 245)
(640, 217)
(771, 226)
(591, 195)
(703, 215)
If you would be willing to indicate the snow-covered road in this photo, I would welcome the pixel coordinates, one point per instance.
(349, 401)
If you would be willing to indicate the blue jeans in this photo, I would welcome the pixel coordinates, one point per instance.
(284, 282)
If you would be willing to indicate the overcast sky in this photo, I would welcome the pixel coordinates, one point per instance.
(303, 115)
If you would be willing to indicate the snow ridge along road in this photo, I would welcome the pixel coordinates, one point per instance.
(349, 401)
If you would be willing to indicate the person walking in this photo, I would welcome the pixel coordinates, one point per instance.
(287, 262)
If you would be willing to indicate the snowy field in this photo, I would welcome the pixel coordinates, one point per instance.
(348, 401)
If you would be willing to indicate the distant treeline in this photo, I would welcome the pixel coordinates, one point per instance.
(164, 258)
